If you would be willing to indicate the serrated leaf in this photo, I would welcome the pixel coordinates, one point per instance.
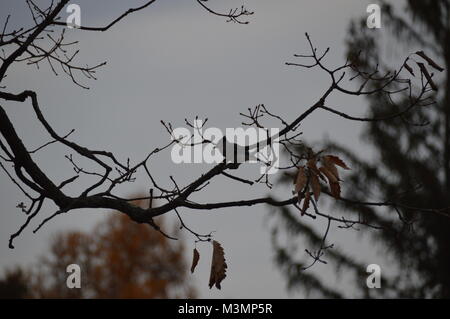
(330, 166)
(337, 161)
(195, 259)
(218, 266)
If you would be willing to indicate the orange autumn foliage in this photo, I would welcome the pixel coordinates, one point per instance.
(118, 259)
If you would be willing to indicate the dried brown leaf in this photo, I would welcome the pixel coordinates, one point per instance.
(301, 179)
(330, 176)
(337, 161)
(330, 167)
(335, 189)
(218, 266)
(306, 202)
(312, 165)
(430, 61)
(315, 185)
(195, 259)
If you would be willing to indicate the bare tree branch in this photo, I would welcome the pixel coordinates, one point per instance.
(25, 45)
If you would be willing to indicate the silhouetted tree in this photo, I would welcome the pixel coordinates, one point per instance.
(411, 166)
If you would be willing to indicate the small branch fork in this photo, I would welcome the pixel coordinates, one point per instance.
(16, 160)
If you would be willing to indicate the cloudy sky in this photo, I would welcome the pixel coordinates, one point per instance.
(169, 62)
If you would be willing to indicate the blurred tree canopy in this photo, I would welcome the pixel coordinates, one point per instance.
(118, 259)
(411, 165)
(14, 285)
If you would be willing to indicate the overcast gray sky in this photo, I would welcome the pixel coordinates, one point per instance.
(173, 61)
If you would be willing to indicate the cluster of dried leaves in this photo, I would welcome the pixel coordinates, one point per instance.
(307, 184)
(311, 181)
(218, 265)
(307, 181)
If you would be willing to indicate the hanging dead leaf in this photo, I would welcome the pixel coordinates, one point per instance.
(332, 160)
(330, 167)
(430, 61)
(301, 179)
(335, 190)
(195, 259)
(336, 161)
(218, 266)
(315, 185)
(306, 202)
(312, 165)
(427, 75)
(330, 176)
